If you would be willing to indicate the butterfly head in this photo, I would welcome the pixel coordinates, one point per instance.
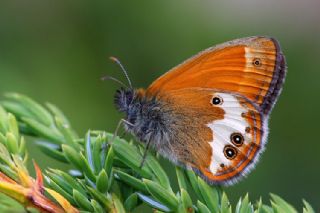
(123, 99)
(125, 95)
(133, 104)
(146, 118)
(143, 114)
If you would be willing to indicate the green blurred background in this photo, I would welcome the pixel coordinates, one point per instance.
(57, 50)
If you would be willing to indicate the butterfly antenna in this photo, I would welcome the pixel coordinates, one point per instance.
(107, 77)
(123, 69)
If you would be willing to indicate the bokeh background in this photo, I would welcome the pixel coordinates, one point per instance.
(57, 50)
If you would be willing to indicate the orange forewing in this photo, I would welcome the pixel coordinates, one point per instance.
(245, 66)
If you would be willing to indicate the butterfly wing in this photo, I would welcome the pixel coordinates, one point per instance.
(219, 102)
(217, 134)
(253, 67)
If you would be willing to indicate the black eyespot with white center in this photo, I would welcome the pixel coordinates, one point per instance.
(216, 100)
(257, 62)
(230, 152)
(237, 138)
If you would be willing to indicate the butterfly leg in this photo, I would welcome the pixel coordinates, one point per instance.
(145, 154)
(115, 134)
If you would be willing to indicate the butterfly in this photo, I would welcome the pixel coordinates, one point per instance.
(210, 113)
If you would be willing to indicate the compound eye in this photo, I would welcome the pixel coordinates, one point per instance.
(216, 100)
(237, 139)
(144, 129)
(230, 152)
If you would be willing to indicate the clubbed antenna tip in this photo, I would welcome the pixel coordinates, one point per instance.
(114, 59)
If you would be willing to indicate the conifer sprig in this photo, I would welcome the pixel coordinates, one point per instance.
(105, 177)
